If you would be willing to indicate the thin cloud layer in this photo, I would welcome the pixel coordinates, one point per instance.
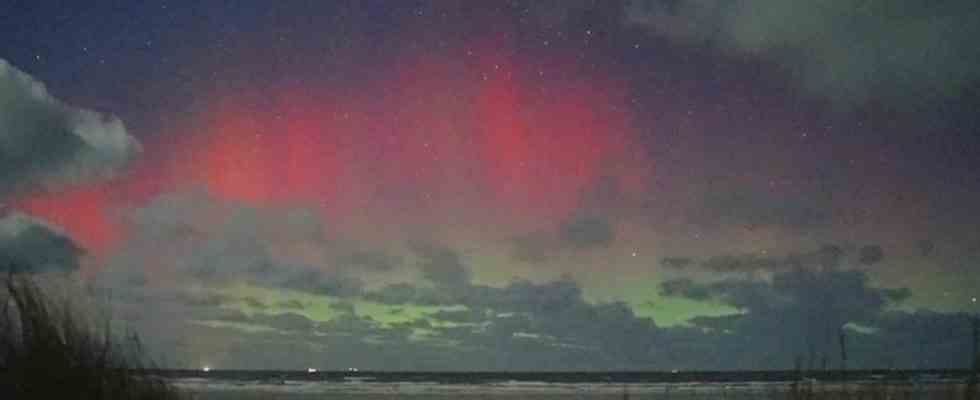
(827, 257)
(850, 51)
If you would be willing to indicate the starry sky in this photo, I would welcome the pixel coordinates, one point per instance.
(452, 185)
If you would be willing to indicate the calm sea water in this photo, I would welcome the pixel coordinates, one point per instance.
(297, 385)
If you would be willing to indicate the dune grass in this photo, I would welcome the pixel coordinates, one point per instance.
(876, 391)
(50, 350)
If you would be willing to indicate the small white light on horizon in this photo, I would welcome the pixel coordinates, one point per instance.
(206, 369)
(311, 370)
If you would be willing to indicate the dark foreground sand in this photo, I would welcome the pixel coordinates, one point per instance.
(606, 392)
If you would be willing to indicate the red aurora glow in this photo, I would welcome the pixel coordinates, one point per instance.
(432, 141)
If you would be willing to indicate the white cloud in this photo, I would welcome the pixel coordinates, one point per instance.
(849, 50)
(29, 244)
(46, 144)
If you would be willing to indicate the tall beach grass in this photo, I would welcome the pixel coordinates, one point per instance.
(49, 349)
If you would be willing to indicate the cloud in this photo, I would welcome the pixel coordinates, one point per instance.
(524, 321)
(743, 206)
(284, 322)
(930, 340)
(532, 247)
(850, 51)
(185, 249)
(825, 257)
(871, 254)
(460, 316)
(343, 307)
(676, 262)
(212, 242)
(926, 247)
(441, 265)
(46, 144)
(844, 291)
(203, 299)
(407, 293)
(254, 303)
(30, 245)
(376, 260)
(795, 312)
(587, 231)
(742, 263)
(686, 288)
(293, 304)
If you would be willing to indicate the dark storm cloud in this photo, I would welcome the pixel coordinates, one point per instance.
(849, 50)
(30, 245)
(46, 144)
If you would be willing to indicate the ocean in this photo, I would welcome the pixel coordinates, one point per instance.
(304, 385)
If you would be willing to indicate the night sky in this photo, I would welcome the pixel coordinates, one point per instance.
(449, 185)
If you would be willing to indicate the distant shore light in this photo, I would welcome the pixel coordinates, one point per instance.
(311, 370)
(206, 369)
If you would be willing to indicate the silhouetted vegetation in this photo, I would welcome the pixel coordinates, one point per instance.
(49, 350)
